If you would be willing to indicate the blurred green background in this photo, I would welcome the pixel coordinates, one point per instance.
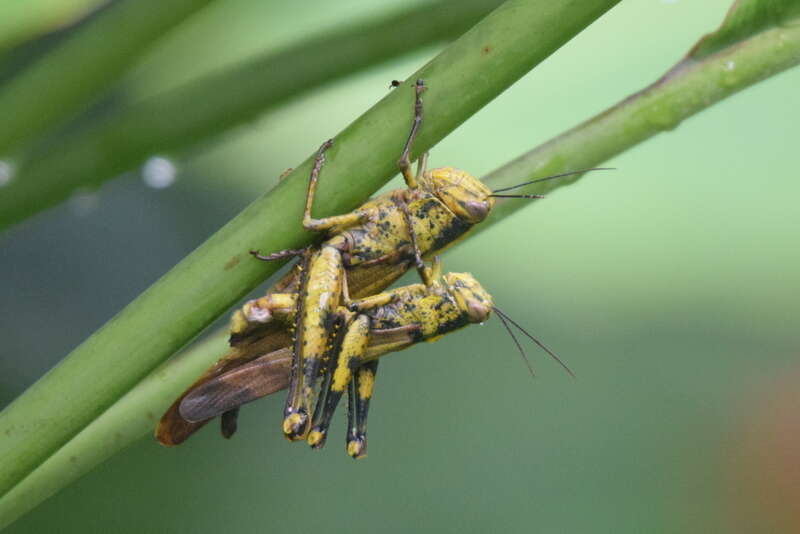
(669, 285)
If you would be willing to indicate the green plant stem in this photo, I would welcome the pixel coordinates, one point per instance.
(127, 420)
(507, 43)
(603, 136)
(67, 79)
(166, 123)
(25, 20)
(689, 87)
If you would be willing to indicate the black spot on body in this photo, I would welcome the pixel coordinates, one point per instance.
(424, 210)
(450, 232)
(451, 325)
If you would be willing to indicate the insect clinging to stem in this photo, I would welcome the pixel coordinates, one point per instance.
(438, 207)
(366, 251)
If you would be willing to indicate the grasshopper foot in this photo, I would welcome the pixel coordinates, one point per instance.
(317, 437)
(357, 447)
(295, 425)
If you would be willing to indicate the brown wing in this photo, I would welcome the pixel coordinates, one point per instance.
(270, 373)
(366, 280)
(258, 341)
(246, 383)
(237, 379)
(262, 340)
(174, 429)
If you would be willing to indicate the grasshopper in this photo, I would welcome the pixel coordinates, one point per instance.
(398, 228)
(365, 329)
(367, 250)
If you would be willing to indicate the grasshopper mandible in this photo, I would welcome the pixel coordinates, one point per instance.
(365, 329)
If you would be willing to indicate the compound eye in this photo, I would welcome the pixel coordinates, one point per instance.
(476, 210)
(478, 311)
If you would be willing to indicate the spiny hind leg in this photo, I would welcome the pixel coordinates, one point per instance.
(359, 395)
(317, 323)
(351, 349)
(316, 438)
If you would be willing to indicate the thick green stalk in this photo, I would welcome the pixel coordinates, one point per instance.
(68, 78)
(165, 123)
(134, 415)
(507, 43)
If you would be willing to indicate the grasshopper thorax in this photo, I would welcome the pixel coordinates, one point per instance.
(463, 194)
(471, 298)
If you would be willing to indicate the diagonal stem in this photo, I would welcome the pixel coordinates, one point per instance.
(507, 43)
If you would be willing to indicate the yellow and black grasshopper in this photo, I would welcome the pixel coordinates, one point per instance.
(364, 329)
(400, 227)
(367, 250)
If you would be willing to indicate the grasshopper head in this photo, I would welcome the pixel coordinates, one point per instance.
(470, 296)
(462, 193)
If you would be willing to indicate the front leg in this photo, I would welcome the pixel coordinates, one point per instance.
(405, 159)
(422, 270)
(319, 225)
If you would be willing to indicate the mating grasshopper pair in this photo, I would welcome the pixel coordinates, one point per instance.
(361, 332)
(367, 250)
